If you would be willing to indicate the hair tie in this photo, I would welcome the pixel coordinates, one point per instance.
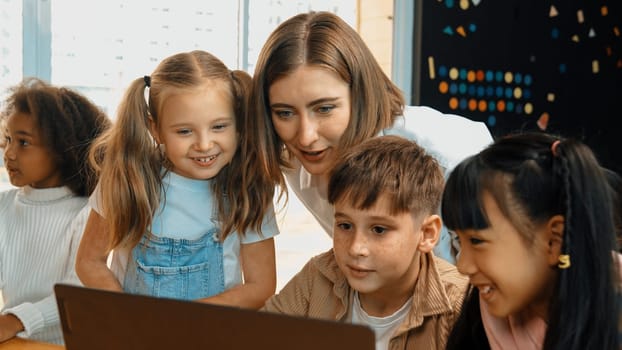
(147, 80)
(554, 147)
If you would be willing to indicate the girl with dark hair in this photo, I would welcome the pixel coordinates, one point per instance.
(47, 131)
(534, 216)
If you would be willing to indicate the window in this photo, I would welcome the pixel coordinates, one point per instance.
(10, 43)
(112, 42)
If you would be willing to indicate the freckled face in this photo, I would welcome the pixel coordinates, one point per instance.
(27, 158)
(310, 110)
(377, 251)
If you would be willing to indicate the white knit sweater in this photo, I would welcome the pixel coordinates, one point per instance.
(40, 231)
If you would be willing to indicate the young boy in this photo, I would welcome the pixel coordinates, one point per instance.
(381, 271)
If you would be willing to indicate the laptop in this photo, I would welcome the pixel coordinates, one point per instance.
(95, 319)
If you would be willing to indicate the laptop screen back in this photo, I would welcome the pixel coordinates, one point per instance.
(96, 319)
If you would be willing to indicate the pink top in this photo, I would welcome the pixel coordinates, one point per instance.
(517, 332)
(514, 333)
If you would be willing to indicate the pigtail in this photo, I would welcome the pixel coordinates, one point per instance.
(615, 183)
(241, 87)
(129, 161)
(534, 176)
(585, 308)
(247, 191)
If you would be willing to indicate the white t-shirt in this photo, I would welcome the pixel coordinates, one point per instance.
(446, 137)
(383, 327)
(188, 212)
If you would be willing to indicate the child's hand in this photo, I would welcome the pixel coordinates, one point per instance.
(9, 327)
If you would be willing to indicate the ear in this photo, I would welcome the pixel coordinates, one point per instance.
(430, 232)
(153, 130)
(554, 233)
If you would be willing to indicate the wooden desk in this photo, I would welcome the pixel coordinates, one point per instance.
(26, 344)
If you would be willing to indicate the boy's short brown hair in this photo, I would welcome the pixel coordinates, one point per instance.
(389, 165)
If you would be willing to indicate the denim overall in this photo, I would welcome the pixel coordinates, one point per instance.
(176, 268)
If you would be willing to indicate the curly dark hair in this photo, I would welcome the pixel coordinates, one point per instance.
(68, 121)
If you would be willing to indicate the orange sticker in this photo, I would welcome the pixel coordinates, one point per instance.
(472, 104)
(453, 103)
(471, 76)
(543, 121)
(501, 105)
(460, 30)
(443, 87)
(482, 105)
(480, 75)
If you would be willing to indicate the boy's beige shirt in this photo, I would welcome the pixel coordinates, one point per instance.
(320, 290)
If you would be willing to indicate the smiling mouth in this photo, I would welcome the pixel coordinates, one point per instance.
(313, 156)
(485, 290)
(205, 159)
(312, 153)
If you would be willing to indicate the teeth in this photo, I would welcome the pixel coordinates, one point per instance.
(485, 290)
(205, 160)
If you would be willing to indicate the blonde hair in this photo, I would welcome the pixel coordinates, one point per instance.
(130, 161)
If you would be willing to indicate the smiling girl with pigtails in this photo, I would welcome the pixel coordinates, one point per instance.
(182, 202)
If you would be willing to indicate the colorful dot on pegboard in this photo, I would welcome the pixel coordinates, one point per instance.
(501, 106)
(555, 33)
(453, 103)
(443, 87)
(482, 105)
(492, 120)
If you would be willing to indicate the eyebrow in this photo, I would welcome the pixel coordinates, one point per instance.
(215, 121)
(312, 103)
(21, 133)
(382, 218)
(337, 213)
